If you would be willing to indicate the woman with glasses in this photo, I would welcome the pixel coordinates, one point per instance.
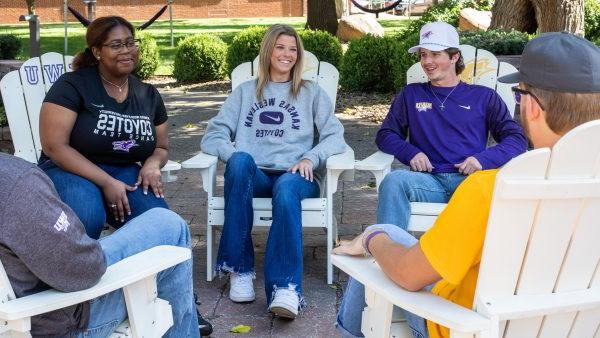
(104, 133)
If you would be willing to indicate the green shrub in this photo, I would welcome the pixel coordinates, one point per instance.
(370, 64)
(149, 57)
(200, 58)
(244, 47)
(325, 46)
(592, 19)
(10, 46)
(496, 41)
(404, 60)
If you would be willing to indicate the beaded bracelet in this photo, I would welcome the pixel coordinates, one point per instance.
(368, 239)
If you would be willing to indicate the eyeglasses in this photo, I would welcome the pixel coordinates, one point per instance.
(518, 92)
(116, 46)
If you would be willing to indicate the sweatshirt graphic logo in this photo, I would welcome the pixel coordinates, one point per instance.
(271, 117)
(423, 106)
(62, 224)
(124, 145)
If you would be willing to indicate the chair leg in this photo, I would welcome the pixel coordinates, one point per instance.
(329, 250)
(211, 253)
(377, 316)
(331, 232)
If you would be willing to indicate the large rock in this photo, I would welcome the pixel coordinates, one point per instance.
(355, 26)
(471, 19)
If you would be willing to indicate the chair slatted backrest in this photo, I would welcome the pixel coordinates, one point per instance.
(23, 92)
(543, 232)
(323, 73)
(481, 68)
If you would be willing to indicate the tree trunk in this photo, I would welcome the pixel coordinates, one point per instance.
(541, 16)
(514, 14)
(559, 15)
(321, 15)
(30, 7)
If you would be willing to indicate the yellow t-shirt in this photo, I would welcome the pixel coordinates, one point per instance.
(454, 244)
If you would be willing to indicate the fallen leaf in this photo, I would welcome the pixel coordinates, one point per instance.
(241, 329)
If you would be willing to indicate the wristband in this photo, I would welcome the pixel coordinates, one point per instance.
(369, 237)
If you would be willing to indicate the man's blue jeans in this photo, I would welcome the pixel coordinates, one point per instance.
(283, 256)
(87, 200)
(153, 228)
(401, 187)
(349, 316)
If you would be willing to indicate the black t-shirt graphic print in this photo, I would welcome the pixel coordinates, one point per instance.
(105, 130)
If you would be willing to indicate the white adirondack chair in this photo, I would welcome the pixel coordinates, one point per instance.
(148, 315)
(316, 212)
(23, 92)
(539, 274)
(482, 68)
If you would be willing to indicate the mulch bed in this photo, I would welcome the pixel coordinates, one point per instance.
(372, 107)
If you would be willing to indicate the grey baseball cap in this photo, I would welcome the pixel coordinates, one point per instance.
(559, 62)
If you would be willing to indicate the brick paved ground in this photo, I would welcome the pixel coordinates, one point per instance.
(354, 206)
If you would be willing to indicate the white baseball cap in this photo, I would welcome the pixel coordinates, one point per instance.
(436, 36)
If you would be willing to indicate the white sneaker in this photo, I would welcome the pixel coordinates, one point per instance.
(241, 288)
(285, 303)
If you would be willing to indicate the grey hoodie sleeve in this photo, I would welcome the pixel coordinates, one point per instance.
(331, 131)
(48, 237)
(220, 133)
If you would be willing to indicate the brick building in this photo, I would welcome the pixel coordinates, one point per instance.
(52, 10)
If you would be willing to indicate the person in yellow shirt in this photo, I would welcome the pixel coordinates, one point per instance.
(558, 90)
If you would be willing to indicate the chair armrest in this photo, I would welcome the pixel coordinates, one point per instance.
(117, 276)
(343, 161)
(427, 209)
(171, 165)
(377, 161)
(422, 303)
(200, 161)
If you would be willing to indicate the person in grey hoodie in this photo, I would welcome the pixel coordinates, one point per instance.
(43, 245)
(265, 134)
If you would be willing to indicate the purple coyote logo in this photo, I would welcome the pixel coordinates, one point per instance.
(124, 145)
(426, 35)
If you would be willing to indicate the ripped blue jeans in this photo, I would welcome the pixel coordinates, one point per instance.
(283, 257)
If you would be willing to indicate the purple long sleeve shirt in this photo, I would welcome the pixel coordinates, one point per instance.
(450, 135)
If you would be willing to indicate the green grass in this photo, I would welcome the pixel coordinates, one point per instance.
(52, 35)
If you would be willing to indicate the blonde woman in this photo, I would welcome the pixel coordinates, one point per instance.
(265, 133)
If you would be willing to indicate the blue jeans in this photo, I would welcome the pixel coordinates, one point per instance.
(87, 200)
(283, 256)
(349, 316)
(400, 187)
(153, 228)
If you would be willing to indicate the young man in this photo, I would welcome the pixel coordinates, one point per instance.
(448, 122)
(558, 90)
(44, 245)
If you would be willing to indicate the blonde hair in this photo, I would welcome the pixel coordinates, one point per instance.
(264, 60)
(565, 111)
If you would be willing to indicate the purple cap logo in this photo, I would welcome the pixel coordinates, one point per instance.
(427, 35)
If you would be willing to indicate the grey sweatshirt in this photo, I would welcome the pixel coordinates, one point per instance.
(278, 130)
(44, 245)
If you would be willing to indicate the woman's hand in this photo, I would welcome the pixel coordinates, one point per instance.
(150, 176)
(115, 194)
(304, 167)
(351, 248)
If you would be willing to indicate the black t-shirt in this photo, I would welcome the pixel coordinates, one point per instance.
(106, 131)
